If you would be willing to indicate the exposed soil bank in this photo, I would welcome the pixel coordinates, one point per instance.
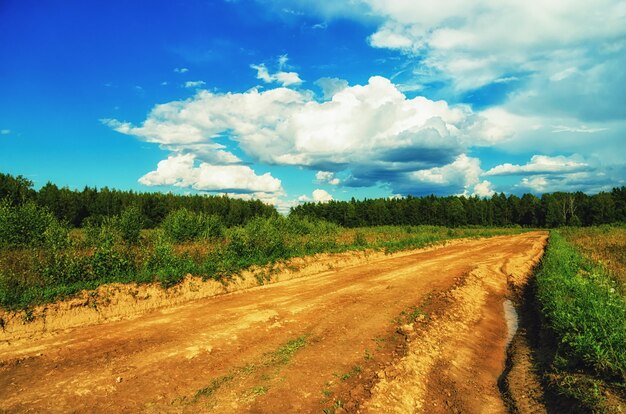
(118, 301)
(422, 331)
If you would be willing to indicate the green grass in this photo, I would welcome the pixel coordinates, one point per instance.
(584, 310)
(283, 355)
(215, 385)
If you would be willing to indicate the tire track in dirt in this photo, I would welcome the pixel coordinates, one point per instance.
(295, 346)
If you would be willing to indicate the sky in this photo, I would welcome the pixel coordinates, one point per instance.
(289, 101)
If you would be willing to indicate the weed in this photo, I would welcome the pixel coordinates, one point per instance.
(259, 390)
(212, 387)
(283, 355)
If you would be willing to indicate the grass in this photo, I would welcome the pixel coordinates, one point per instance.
(283, 355)
(75, 261)
(603, 244)
(583, 307)
(215, 385)
(275, 359)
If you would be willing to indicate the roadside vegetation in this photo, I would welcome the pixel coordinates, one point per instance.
(43, 260)
(581, 298)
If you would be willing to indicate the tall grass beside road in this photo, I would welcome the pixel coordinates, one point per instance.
(583, 307)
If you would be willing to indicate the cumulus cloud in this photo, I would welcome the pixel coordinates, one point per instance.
(327, 177)
(459, 177)
(180, 171)
(541, 164)
(321, 196)
(330, 86)
(484, 189)
(561, 173)
(373, 131)
(181, 70)
(194, 84)
(588, 182)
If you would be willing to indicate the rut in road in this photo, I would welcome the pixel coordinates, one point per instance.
(344, 340)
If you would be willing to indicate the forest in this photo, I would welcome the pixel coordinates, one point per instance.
(92, 205)
(549, 210)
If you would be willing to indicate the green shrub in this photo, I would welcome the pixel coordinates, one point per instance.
(183, 225)
(359, 239)
(164, 265)
(261, 240)
(109, 261)
(129, 224)
(23, 225)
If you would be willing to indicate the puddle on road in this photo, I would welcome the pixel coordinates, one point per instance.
(510, 315)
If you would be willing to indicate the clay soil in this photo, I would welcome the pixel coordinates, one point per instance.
(423, 331)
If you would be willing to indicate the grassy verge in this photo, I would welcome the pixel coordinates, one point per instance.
(584, 309)
(64, 263)
(604, 244)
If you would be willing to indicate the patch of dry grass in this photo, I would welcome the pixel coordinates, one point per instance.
(605, 245)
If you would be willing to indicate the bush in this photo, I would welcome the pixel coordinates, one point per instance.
(359, 239)
(23, 226)
(129, 224)
(165, 265)
(261, 240)
(183, 225)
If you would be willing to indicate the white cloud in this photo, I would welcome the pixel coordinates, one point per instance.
(327, 177)
(373, 131)
(194, 84)
(588, 182)
(484, 189)
(461, 177)
(478, 42)
(181, 70)
(180, 171)
(281, 77)
(541, 164)
(321, 196)
(331, 86)
(5, 131)
(581, 129)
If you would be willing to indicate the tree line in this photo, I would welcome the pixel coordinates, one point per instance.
(549, 210)
(92, 205)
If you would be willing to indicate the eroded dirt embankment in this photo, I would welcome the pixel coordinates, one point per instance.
(419, 332)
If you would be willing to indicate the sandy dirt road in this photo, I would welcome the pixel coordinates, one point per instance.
(423, 332)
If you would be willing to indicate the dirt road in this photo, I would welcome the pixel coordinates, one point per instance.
(422, 332)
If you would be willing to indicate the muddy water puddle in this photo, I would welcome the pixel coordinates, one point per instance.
(512, 320)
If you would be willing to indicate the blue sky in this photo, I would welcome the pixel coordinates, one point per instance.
(291, 101)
